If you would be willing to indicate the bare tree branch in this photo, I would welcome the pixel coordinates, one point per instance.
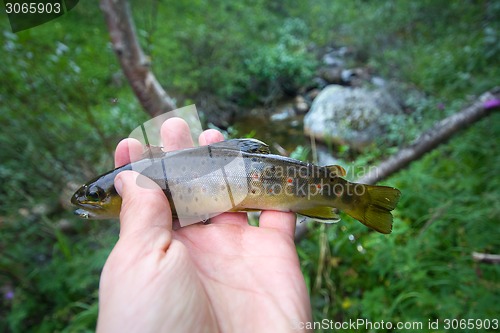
(429, 140)
(486, 257)
(135, 64)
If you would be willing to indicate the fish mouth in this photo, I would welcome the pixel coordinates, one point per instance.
(84, 214)
(86, 211)
(92, 212)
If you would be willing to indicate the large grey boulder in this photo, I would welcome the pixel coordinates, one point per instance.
(352, 116)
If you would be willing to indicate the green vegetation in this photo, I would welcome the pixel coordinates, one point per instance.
(65, 105)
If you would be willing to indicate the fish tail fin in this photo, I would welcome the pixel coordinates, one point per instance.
(374, 207)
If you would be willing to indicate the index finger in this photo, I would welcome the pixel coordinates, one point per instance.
(175, 134)
(128, 150)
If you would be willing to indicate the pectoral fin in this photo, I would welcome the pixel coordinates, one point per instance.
(321, 214)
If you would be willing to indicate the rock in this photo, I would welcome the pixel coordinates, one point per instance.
(319, 83)
(300, 104)
(66, 226)
(333, 59)
(40, 209)
(378, 82)
(336, 56)
(332, 75)
(313, 94)
(24, 212)
(325, 157)
(351, 116)
(283, 112)
(346, 74)
(316, 83)
(356, 77)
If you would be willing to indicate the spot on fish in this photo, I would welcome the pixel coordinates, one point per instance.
(347, 198)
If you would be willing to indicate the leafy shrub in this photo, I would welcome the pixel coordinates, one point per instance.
(281, 67)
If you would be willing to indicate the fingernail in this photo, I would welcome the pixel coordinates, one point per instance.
(118, 184)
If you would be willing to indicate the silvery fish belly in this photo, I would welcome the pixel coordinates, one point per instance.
(201, 182)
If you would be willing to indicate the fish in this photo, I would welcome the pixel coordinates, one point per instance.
(241, 175)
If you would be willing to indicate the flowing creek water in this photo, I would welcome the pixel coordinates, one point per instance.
(287, 132)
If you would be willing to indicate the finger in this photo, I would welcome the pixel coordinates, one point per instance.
(127, 150)
(210, 136)
(144, 206)
(284, 222)
(175, 134)
(230, 218)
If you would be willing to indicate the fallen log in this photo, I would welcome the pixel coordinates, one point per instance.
(486, 257)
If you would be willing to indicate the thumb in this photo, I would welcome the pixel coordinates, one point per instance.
(145, 207)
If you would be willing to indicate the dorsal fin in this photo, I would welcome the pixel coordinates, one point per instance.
(245, 145)
(152, 152)
(336, 170)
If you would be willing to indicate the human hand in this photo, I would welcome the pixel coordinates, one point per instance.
(226, 276)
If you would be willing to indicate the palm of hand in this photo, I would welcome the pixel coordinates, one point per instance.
(225, 276)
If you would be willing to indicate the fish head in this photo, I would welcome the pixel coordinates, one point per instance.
(97, 199)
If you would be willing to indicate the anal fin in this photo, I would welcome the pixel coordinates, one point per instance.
(322, 214)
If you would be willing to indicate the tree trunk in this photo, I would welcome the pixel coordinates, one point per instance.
(135, 64)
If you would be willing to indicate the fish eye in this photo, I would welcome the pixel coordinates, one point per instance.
(95, 193)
